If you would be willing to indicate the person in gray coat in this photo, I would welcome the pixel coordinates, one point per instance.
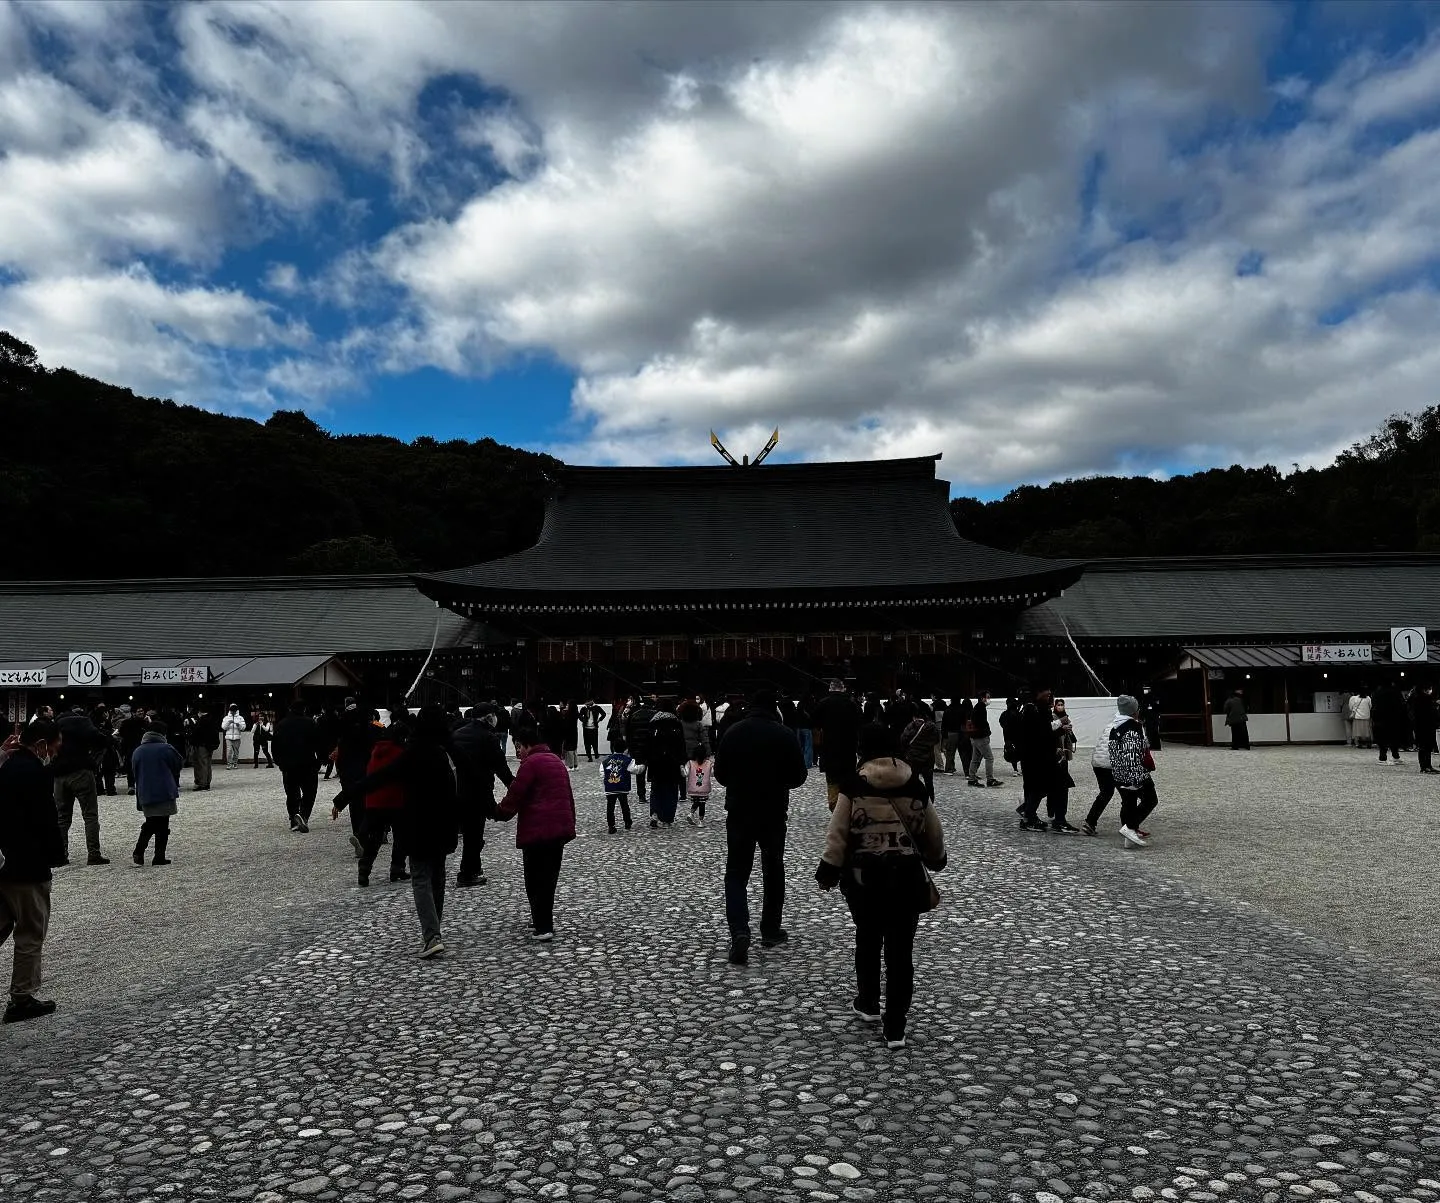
(155, 767)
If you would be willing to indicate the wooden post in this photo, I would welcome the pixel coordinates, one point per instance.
(1205, 694)
(1285, 687)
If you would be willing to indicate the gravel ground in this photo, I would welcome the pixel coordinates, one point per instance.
(1325, 837)
(1089, 1023)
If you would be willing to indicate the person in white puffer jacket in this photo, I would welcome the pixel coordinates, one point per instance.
(1100, 763)
(232, 726)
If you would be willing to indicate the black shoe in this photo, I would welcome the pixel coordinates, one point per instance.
(364, 878)
(59, 863)
(399, 875)
(654, 824)
(302, 824)
(26, 1006)
(1064, 828)
(612, 830)
(465, 880)
(1032, 825)
(294, 822)
(779, 936)
(974, 784)
(739, 952)
(995, 784)
(159, 860)
(1088, 828)
(138, 856)
(97, 859)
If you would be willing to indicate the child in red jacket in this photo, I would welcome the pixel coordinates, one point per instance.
(541, 796)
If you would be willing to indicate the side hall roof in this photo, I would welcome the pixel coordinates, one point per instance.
(174, 618)
(1220, 600)
(661, 536)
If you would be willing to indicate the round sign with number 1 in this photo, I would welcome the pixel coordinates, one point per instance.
(1409, 644)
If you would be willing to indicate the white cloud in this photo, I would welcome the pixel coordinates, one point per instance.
(251, 150)
(1007, 232)
(127, 328)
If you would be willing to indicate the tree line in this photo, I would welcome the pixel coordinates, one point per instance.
(97, 482)
(1380, 495)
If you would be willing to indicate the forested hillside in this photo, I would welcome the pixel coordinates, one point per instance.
(1383, 494)
(97, 482)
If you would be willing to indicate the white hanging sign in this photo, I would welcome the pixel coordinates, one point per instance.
(1409, 644)
(190, 674)
(1335, 653)
(85, 669)
(24, 677)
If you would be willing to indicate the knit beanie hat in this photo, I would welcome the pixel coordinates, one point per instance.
(1125, 704)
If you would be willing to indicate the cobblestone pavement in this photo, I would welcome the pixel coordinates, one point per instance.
(1087, 1026)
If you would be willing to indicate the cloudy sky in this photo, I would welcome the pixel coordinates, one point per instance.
(1046, 240)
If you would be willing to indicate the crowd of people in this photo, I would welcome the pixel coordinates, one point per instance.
(429, 783)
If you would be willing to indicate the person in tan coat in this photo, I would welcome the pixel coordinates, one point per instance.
(884, 834)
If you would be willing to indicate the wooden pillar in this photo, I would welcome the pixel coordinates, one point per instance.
(1285, 687)
(1205, 693)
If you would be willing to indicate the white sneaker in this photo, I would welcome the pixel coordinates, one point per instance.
(1133, 837)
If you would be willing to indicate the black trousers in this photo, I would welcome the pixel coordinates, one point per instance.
(261, 747)
(1387, 739)
(1036, 783)
(1136, 804)
(610, 801)
(1106, 782)
(884, 929)
(542, 875)
(159, 827)
(301, 786)
(1424, 753)
(1240, 736)
(743, 834)
(472, 831)
(373, 825)
(592, 743)
(1152, 734)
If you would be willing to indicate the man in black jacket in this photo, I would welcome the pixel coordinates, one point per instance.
(74, 772)
(1036, 736)
(1423, 719)
(204, 740)
(297, 750)
(837, 717)
(31, 845)
(352, 761)
(637, 741)
(130, 732)
(759, 762)
(480, 759)
(591, 716)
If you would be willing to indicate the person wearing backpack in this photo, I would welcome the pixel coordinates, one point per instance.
(428, 820)
(918, 741)
(883, 835)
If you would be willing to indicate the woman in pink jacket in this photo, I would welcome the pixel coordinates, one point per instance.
(541, 797)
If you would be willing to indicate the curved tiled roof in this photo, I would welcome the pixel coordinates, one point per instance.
(823, 531)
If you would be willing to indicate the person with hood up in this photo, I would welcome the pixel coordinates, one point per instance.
(1237, 718)
(428, 823)
(155, 768)
(480, 757)
(1104, 779)
(1036, 733)
(665, 757)
(542, 798)
(883, 836)
(1130, 765)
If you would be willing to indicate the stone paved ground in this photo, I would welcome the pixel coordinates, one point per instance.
(1089, 1024)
